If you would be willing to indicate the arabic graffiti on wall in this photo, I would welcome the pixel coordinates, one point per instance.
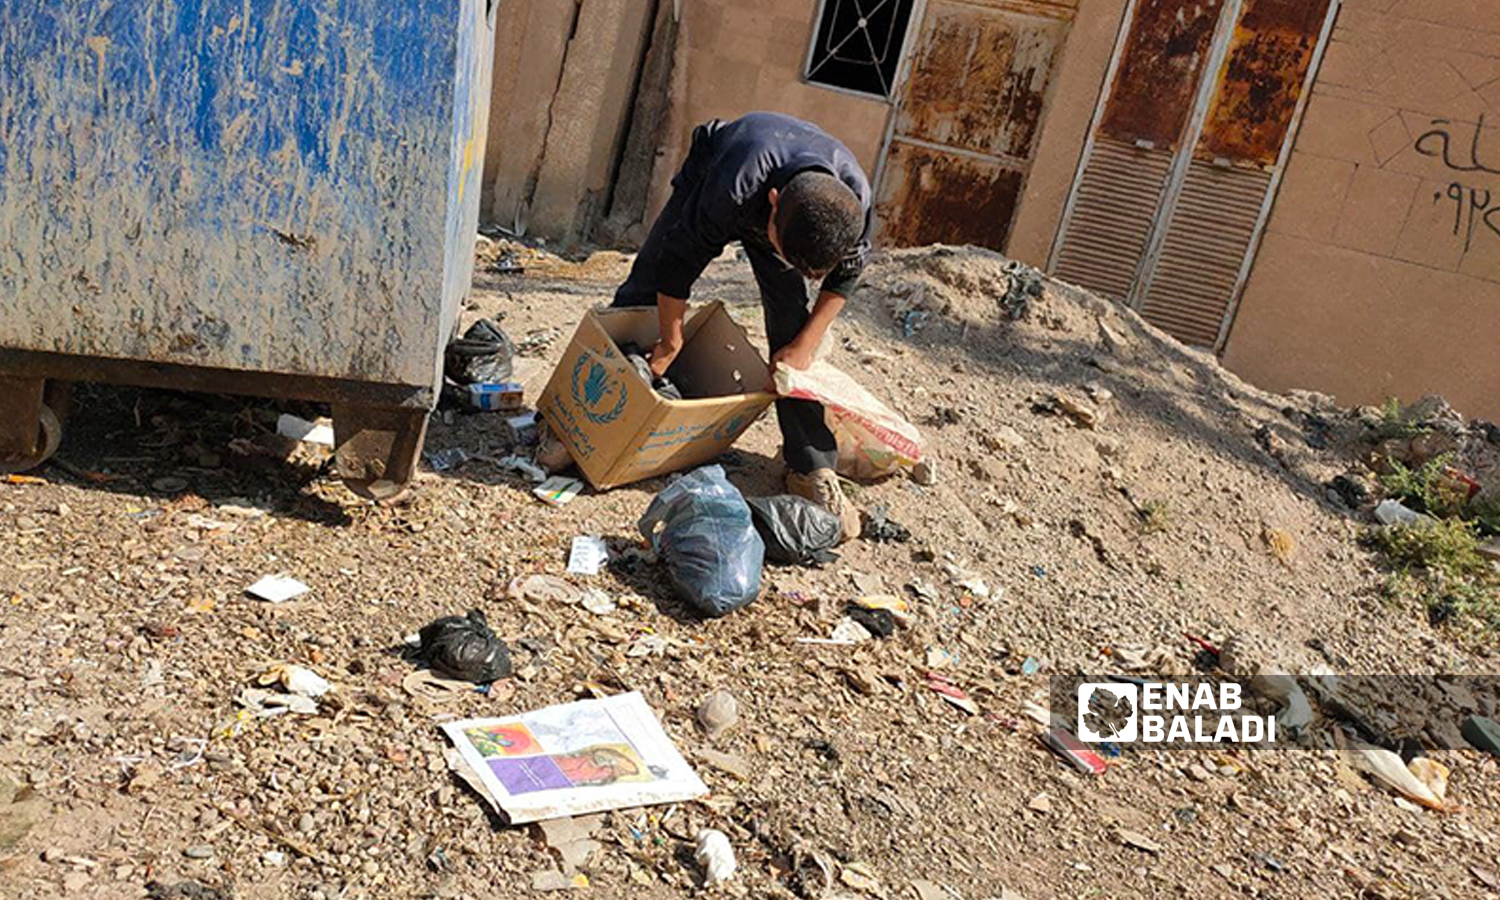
(1475, 209)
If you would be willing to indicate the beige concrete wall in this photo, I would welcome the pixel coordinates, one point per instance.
(531, 38)
(1078, 80)
(565, 72)
(1379, 274)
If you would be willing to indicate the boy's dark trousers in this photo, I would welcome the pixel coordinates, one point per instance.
(807, 443)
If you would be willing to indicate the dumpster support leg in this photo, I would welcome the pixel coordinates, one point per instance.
(30, 421)
(377, 448)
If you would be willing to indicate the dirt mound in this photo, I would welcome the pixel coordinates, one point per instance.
(1103, 493)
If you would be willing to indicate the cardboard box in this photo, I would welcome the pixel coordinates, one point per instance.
(618, 429)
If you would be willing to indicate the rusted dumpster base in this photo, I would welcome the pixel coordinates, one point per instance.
(378, 428)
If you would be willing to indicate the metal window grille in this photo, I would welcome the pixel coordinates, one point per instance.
(857, 45)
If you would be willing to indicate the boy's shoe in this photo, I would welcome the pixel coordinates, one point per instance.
(821, 486)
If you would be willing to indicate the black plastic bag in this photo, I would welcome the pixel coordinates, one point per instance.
(796, 530)
(464, 648)
(712, 551)
(659, 383)
(484, 355)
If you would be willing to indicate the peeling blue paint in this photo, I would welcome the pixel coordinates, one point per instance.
(287, 185)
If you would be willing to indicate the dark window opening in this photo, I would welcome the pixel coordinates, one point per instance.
(857, 45)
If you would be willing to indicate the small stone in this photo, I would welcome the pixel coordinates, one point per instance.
(199, 851)
(274, 858)
(1138, 841)
(305, 823)
(1040, 803)
(718, 712)
(1483, 733)
(64, 509)
(1198, 773)
(925, 473)
(74, 882)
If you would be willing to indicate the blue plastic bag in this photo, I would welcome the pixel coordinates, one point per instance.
(707, 540)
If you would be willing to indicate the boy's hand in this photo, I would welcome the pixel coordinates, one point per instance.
(794, 355)
(661, 356)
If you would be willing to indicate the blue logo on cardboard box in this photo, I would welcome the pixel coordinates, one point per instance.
(600, 397)
(730, 428)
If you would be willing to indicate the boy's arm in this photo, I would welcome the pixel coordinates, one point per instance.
(670, 311)
(799, 353)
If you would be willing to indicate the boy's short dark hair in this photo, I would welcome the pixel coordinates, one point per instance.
(818, 221)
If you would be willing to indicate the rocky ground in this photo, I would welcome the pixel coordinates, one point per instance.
(1193, 505)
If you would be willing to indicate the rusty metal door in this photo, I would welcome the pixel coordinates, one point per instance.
(1180, 169)
(967, 120)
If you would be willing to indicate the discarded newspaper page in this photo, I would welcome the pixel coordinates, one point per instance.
(575, 758)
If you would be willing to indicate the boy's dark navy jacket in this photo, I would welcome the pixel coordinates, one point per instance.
(726, 182)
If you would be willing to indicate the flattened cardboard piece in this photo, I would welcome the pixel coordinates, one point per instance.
(618, 430)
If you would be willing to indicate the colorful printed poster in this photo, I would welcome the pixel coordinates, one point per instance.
(575, 758)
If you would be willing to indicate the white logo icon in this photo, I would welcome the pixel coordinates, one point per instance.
(1108, 712)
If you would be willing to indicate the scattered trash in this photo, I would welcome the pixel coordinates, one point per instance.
(1073, 751)
(1387, 769)
(522, 431)
(880, 528)
(872, 439)
(1394, 512)
(718, 712)
(549, 880)
(1483, 733)
(204, 523)
(940, 657)
(508, 263)
(878, 622)
(598, 602)
(860, 877)
(504, 396)
(945, 689)
(295, 679)
(264, 704)
(571, 839)
(737, 766)
(559, 490)
(647, 645)
(299, 429)
(575, 758)
(426, 684)
(277, 589)
(1296, 713)
(1432, 774)
(544, 589)
(483, 355)
(587, 555)
(659, 383)
(1030, 666)
(847, 631)
(525, 467)
(715, 855)
(447, 460)
(708, 541)
(463, 647)
(1025, 285)
(795, 530)
(898, 609)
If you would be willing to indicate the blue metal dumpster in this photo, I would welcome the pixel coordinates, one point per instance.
(269, 197)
